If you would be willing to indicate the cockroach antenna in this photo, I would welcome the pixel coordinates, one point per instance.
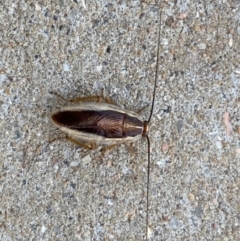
(146, 123)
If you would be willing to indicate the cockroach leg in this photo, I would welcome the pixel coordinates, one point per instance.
(88, 98)
(96, 98)
(142, 109)
(58, 95)
(56, 139)
(92, 145)
(109, 101)
(108, 148)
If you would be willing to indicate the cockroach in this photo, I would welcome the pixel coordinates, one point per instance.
(95, 122)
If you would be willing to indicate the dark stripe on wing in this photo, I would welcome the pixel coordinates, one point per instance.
(107, 123)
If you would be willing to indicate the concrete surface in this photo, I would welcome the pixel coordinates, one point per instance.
(58, 191)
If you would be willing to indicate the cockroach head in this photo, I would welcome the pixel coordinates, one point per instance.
(145, 128)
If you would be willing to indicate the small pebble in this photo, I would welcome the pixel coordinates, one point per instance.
(86, 160)
(74, 163)
(201, 46)
(191, 197)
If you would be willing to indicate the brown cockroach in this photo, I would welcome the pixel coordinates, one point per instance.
(106, 123)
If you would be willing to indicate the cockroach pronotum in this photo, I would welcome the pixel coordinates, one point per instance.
(94, 123)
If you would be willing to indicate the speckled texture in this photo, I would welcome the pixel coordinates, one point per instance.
(58, 191)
